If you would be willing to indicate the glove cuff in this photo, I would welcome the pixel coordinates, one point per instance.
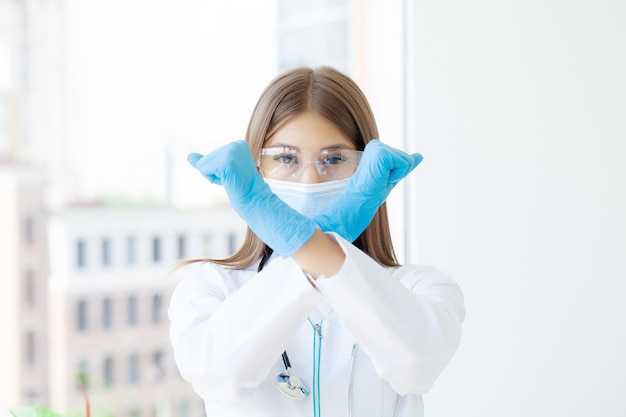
(275, 223)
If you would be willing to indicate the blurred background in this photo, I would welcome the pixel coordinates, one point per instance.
(519, 108)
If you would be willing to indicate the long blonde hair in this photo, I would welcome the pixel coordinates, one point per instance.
(334, 96)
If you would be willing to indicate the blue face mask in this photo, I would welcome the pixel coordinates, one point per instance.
(307, 199)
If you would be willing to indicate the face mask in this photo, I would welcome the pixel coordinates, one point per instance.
(307, 199)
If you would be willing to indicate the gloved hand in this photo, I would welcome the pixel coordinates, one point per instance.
(380, 169)
(273, 221)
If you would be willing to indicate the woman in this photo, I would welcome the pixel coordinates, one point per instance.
(313, 316)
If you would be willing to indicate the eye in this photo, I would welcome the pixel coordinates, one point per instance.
(333, 160)
(285, 159)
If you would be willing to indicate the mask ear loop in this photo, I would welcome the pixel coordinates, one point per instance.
(290, 385)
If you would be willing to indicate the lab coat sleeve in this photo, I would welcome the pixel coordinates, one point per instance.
(408, 321)
(225, 344)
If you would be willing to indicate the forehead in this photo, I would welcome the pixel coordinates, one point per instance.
(309, 132)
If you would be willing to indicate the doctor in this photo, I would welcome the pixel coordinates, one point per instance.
(313, 316)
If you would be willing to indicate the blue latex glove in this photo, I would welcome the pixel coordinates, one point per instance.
(380, 169)
(273, 221)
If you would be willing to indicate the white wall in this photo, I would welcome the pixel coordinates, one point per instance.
(520, 112)
(381, 81)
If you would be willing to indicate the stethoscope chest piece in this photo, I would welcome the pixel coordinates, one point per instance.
(292, 386)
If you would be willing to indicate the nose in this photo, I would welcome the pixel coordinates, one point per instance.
(310, 175)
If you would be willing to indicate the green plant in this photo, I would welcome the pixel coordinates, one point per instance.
(35, 411)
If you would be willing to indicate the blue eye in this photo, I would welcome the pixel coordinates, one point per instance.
(285, 159)
(334, 160)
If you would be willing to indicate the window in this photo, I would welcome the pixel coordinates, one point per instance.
(207, 245)
(29, 287)
(109, 371)
(158, 365)
(106, 252)
(131, 250)
(132, 310)
(184, 409)
(318, 28)
(133, 369)
(81, 260)
(83, 374)
(232, 242)
(30, 348)
(107, 313)
(182, 246)
(157, 315)
(156, 249)
(29, 230)
(81, 315)
(31, 397)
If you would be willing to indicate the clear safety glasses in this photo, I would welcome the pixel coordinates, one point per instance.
(289, 164)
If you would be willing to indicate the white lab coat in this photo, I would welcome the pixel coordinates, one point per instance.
(230, 327)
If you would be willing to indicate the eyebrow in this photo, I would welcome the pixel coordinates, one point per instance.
(331, 147)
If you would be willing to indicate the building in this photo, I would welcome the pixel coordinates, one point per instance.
(23, 288)
(98, 309)
(317, 33)
(110, 287)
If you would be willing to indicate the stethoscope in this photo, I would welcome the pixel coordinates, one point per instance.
(291, 385)
(295, 387)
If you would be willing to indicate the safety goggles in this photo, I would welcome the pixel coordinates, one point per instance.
(289, 163)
